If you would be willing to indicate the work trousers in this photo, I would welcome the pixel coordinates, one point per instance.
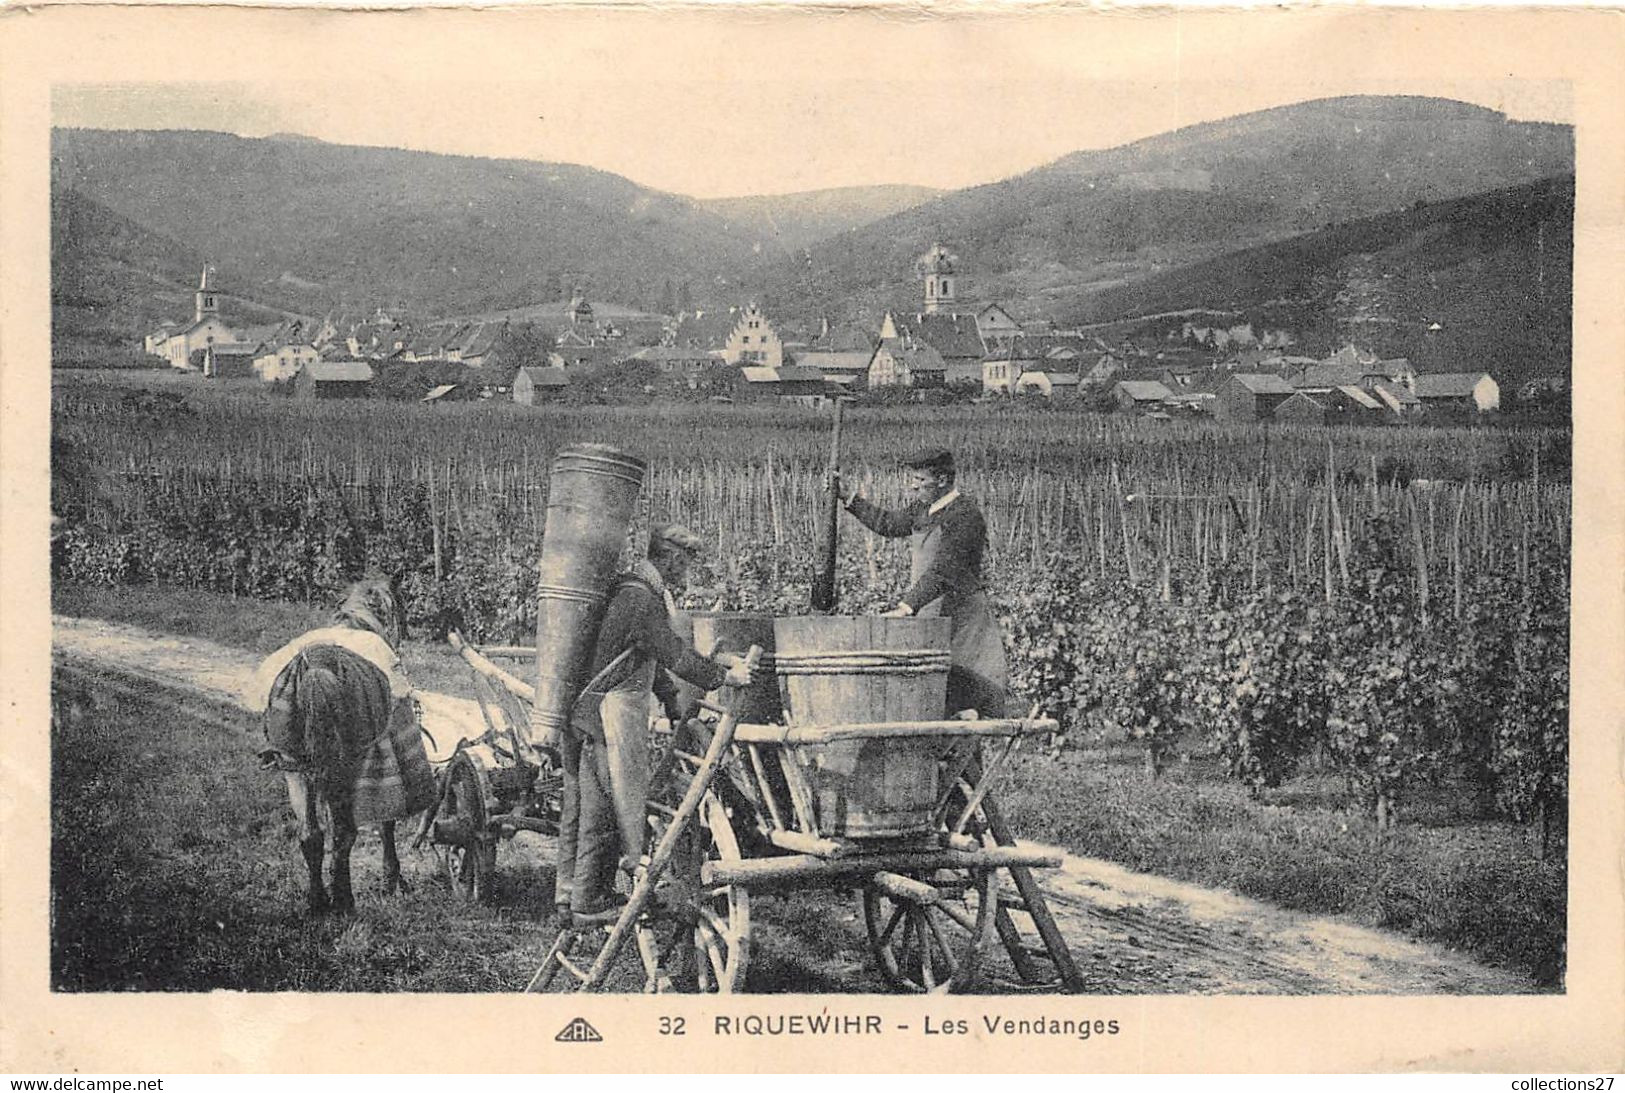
(602, 815)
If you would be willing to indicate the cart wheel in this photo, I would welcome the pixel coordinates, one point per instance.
(932, 948)
(722, 933)
(698, 939)
(470, 861)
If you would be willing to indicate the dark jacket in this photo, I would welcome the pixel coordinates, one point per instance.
(635, 618)
(956, 570)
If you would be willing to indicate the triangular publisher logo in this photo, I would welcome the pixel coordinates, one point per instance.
(578, 1032)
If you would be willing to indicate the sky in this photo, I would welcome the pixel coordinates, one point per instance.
(714, 108)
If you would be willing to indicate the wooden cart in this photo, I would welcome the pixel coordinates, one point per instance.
(737, 809)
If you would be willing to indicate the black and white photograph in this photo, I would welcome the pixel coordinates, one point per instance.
(810, 506)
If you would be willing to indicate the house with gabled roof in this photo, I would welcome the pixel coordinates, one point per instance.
(1048, 382)
(685, 364)
(1250, 396)
(843, 366)
(482, 344)
(1468, 391)
(1140, 396)
(1398, 398)
(283, 362)
(899, 362)
(753, 341)
(534, 383)
(790, 383)
(230, 360)
(954, 338)
(334, 379)
(996, 325)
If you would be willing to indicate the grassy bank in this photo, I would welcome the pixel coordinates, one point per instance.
(1474, 886)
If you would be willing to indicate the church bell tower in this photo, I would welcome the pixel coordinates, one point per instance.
(936, 268)
(205, 302)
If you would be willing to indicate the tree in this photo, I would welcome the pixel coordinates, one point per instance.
(668, 299)
(527, 345)
(685, 299)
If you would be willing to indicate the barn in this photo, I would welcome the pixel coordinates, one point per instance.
(534, 384)
(1140, 396)
(1459, 391)
(1251, 396)
(333, 379)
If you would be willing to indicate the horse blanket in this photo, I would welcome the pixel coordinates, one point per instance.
(336, 714)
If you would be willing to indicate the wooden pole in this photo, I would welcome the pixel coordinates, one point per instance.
(644, 889)
(823, 585)
(796, 868)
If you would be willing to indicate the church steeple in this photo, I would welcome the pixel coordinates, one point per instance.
(580, 309)
(205, 302)
(936, 267)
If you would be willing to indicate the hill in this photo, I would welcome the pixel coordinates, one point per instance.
(113, 280)
(788, 222)
(306, 224)
(1090, 220)
(1476, 283)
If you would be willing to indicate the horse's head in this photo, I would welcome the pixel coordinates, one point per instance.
(374, 603)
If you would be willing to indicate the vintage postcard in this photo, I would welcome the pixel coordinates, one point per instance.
(782, 539)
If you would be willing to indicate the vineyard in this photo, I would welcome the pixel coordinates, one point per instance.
(1387, 604)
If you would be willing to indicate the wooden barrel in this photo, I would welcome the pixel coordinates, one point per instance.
(844, 670)
(736, 632)
(592, 493)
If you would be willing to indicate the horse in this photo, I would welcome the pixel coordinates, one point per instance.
(341, 724)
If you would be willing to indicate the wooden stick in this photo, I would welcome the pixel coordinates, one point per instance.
(765, 786)
(644, 889)
(486, 668)
(807, 867)
(509, 652)
(903, 889)
(1037, 907)
(802, 843)
(823, 585)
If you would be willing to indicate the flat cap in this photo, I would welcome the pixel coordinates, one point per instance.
(676, 535)
(930, 459)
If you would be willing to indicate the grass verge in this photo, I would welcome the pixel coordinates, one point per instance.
(1477, 887)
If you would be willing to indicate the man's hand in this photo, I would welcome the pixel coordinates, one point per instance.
(842, 489)
(901, 611)
(728, 660)
(739, 675)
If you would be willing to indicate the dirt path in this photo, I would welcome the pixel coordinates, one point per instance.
(1131, 933)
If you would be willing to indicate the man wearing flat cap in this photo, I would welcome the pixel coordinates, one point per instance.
(947, 538)
(606, 750)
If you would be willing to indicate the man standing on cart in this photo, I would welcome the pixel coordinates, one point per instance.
(606, 747)
(947, 538)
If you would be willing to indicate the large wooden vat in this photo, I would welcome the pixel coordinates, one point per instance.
(846, 670)
(592, 494)
(736, 632)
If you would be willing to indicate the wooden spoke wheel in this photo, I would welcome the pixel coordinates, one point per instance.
(932, 947)
(697, 938)
(470, 854)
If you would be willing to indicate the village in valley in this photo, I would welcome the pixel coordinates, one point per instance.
(948, 347)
